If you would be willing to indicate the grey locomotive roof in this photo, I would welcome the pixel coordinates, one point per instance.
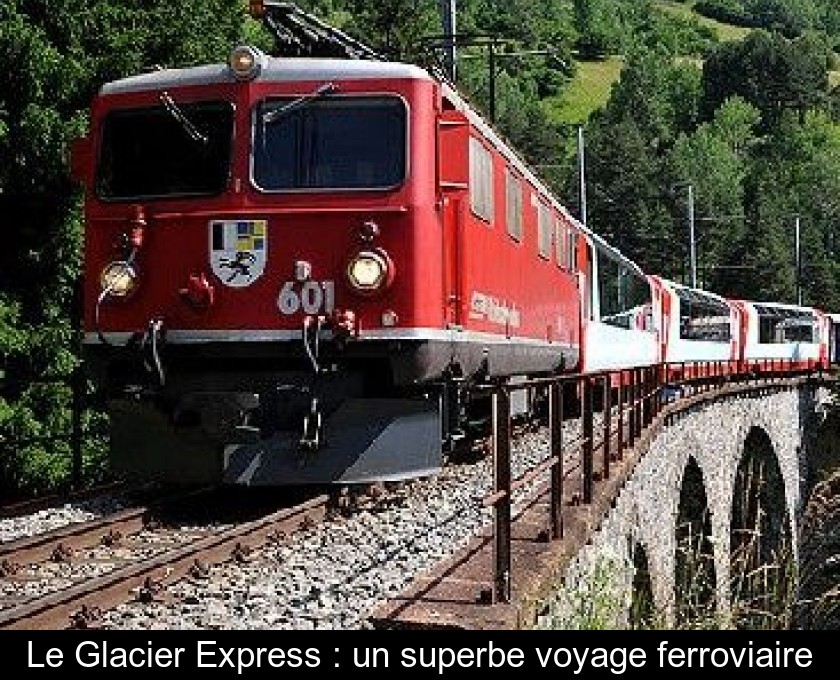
(275, 69)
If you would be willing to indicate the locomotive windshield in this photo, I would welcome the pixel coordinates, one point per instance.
(334, 143)
(168, 150)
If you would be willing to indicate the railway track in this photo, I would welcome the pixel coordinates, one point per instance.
(70, 576)
(335, 574)
(122, 559)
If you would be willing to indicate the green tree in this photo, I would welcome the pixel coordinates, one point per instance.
(769, 71)
(715, 160)
(794, 173)
(659, 94)
(802, 168)
(626, 201)
(789, 16)
(598, 28)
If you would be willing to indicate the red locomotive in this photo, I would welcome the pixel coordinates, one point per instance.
(297, 268)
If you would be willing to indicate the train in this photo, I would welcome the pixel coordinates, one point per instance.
(298, 270)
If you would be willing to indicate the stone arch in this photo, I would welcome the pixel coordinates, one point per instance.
(642, 609)
(695, 579)
(761, 560)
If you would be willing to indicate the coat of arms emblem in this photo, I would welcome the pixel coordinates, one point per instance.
(238, 251)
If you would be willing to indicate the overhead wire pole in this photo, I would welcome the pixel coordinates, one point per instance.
(692, 243)
(491, 85)
(691, 238)
(703, 270)
(798, 255)
(582, 176)
(492, 43)
(797, 252)
(448, 11)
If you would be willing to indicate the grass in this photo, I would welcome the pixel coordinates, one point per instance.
(589, 91)
(591, 86)
(616, 592)
(594, 79)
(820, 591)
(723, 30)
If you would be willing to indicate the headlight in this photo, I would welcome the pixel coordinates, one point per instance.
(369, 271)
(119, 279)
(245, 62)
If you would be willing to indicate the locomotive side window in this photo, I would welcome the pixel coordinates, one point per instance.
(703, 317)
(544, 227)
(624, 294)
(335, 143)
(572, 264)
(559, 242)
(513, 207)
(162, 151)
(481, 180)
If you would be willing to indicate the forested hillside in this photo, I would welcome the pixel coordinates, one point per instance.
(791, 17)
(752, 125)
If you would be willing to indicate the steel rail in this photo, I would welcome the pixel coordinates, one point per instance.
(81, 604)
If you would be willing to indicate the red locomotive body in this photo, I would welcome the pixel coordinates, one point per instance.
(296, 269)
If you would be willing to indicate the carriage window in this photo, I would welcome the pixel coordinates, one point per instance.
(559, 243)
(334, 143)
(544, 225)
(776, 324)
(513, 207)
(481, 180)
(703, 317)
(160, 151)
(624, 294)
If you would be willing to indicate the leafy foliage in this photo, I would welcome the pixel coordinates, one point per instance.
(61, 56)
(771, 72)
(791, 17)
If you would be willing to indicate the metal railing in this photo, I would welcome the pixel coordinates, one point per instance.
(630, 401)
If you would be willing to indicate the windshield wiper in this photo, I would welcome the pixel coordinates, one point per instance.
(175, 111)
(275, 114)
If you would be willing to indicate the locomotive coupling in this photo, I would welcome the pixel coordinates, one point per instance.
(313, 428)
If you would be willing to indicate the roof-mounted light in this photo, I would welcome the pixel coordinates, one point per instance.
(245, 62)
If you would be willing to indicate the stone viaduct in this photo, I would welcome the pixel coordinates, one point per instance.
(704, 530)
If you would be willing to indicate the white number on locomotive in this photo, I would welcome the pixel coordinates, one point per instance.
(311, 297)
